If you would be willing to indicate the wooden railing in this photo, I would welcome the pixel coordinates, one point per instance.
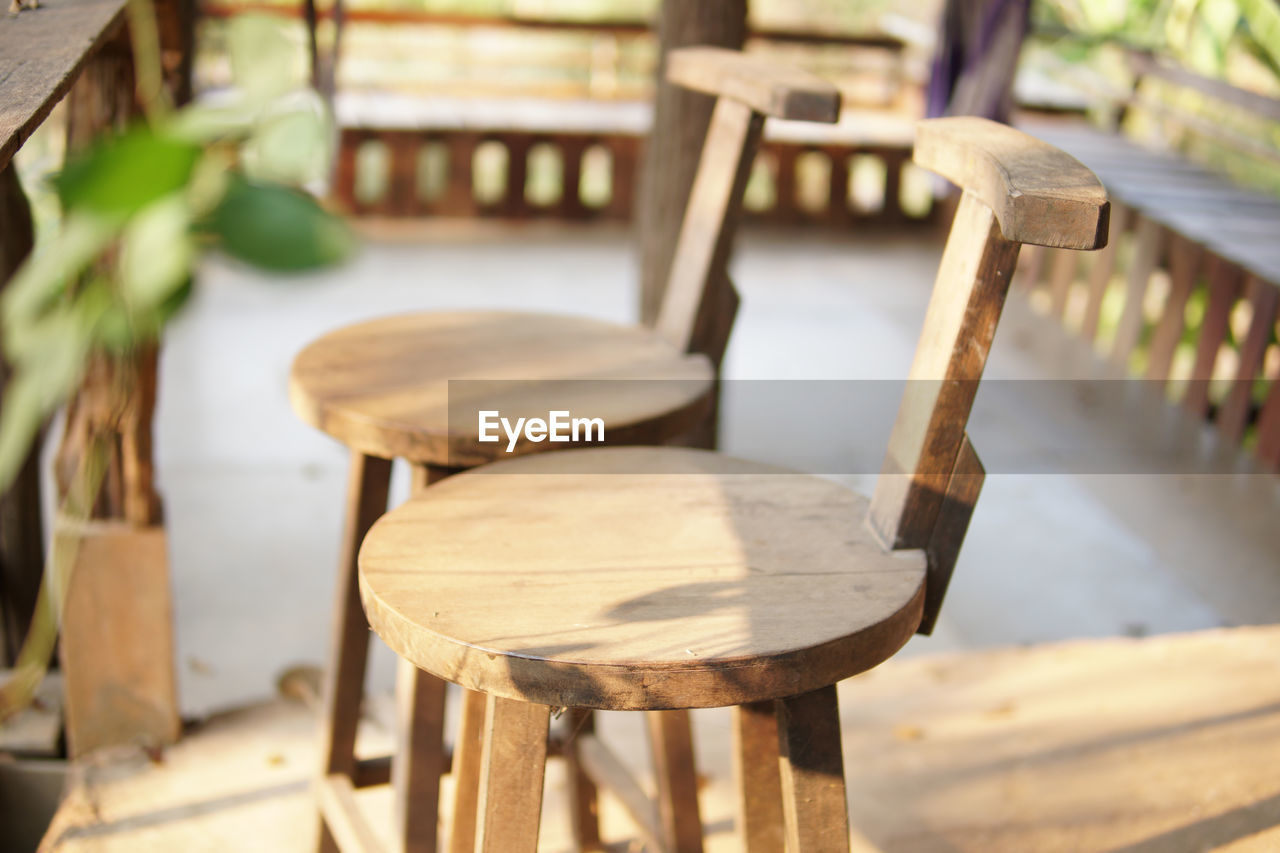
(576, 157)
(577, 176)
(1187, 293)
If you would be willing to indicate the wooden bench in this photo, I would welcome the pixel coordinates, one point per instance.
(1180, 228)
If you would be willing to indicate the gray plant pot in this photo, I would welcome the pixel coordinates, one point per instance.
(30, 791)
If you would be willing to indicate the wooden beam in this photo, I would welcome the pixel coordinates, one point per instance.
(608, 772)
(351, 832)
(21, 521)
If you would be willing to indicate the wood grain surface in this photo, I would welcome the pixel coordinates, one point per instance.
(383, 386)
(1039, 194)
(763, 85)
(572, 579)
(41, 52)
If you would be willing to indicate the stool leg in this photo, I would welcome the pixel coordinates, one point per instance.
(466, 772)
(760, 818)
(419, 759)
(367, 484)
(812, 769)
(584, 808)
(671, 742)
(512, 770)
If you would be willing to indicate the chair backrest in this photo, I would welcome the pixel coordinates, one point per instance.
(1016, 189)
(700, 302)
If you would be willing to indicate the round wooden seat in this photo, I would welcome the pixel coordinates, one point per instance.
(638, 579)
(383, 387)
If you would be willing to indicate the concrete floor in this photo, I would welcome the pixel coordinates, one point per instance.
(1159, 745)
(254, 498)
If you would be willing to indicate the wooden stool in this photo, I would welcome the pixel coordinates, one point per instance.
(383, 389)
(651, 579)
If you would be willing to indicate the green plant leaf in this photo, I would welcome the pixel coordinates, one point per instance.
(1263, 18)
(262, 57)
(43, 278)
(124, 174)
(52, 362)
(276, 228)
(292, 147)
(156, 253)
(209, 122)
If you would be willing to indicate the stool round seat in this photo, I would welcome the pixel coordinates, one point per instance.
(638, 579)
(382, 387)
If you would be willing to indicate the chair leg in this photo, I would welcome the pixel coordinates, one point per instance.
(584, 808)
(367, 483)
(466, 772)
(671, 741)
(812, 770)
(512, 770)
(755, 752)
(419, 758)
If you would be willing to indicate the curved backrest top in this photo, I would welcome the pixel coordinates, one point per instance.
(1039, 194)
(766, 87)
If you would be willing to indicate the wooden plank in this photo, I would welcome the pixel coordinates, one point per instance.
(761, 824)
(953, 522)
(572, 149)
(837, 212)
(1104, 265)
(608, 772)
(351, 832)
(1224, 289)
(512, 769)
(368, 479)
(117, 639)
(812, 770)
(671, 744)
(1061, 277)
(1184, 268)
(370, 772)
(958, 329)
(894, 163)
(1148, 248)
(584, 806)
(467, 772)
(1031, 261)
(402, 182)
(639, 28)
(784, 182)
(41, 53)
(21, 517)
(513, 203)
(710, 222)
(1038, 193)
(419, 759)
(1236, 410)
(1268, 447)
(763, 85)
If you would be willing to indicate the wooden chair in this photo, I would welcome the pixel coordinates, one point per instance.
(651, 579)
(382, 388)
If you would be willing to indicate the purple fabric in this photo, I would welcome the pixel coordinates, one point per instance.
(967, 31)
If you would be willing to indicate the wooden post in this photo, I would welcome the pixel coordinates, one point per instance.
(117, 647)
(21, 534)
(680, 120)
